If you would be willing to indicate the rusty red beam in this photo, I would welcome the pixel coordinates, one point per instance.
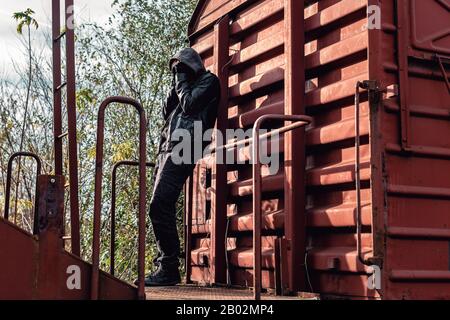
(72, 128)
(57, 96)
(116, 167)
(295, 143)
(9, 180)
(98, 194)
(219, 171)
(403, 72)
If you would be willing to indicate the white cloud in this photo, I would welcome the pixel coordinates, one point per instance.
(10, 48)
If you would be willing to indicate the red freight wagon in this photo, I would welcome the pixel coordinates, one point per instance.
(338, 213)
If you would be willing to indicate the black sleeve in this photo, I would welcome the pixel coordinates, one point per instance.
(194, 99)
(170, 103)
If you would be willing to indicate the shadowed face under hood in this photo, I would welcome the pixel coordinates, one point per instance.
(191, 58)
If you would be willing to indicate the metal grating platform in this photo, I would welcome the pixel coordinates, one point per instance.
(206, 293)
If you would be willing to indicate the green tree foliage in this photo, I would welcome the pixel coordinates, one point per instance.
(129, 56)
(25, 18)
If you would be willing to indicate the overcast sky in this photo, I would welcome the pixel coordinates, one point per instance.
(86, 10)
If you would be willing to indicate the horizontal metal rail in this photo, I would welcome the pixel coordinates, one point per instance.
(9, 180)
(116, 167)
(98, 194)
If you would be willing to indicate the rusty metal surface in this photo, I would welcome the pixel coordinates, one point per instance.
(218, 202)
(37, 266)
(57, 82)
(402, 151)
(72, 128)
(206, 293)
(416, 182)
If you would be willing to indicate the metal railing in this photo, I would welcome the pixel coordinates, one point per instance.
(9, 180)
(365, 85)
(297, 122)
(113, 207)
(98, 194)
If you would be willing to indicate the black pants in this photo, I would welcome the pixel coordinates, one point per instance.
(169, 180)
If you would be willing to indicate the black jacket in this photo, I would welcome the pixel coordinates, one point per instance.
(195, 97)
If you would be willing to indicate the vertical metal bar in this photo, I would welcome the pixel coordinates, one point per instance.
(278, 267)
(8, 190)
(402, 57)
(295, 191)
(113, 220)
(8, 185)
(257, 186)
(72, 128)
(219, 197)
(57, 100)
(98, 195)
(113, 207)
(358, 173)
(188, 228)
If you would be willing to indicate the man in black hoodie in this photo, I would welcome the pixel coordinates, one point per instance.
(194, 98)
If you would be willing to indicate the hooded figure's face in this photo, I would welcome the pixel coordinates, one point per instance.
(190, 58)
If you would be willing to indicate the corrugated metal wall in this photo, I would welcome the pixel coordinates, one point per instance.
(255, 88)
(405, 195)
(336, 59)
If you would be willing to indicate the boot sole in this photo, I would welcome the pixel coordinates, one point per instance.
(168, 284)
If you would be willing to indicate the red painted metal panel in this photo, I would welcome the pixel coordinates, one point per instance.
(403, 127)
(37, 266)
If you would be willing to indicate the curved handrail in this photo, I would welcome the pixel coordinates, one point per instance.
(98, 194)
(297, 122)
(8, 184)
(113, 207)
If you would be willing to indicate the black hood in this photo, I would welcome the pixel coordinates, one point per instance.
(191, 58)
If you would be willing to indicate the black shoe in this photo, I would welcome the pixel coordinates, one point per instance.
(164, 277)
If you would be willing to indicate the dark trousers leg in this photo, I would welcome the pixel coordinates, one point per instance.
(168, 184)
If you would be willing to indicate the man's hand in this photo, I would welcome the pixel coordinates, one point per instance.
(180, 68)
